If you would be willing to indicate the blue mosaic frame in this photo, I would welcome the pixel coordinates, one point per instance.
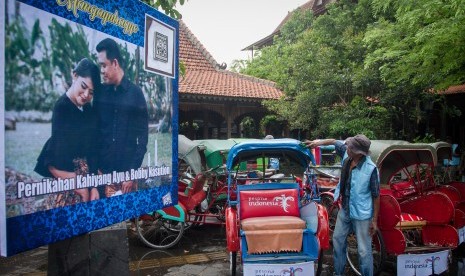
(33, 230)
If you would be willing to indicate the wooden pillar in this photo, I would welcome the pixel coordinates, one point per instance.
(205, 124)
(443, 131)
(228, 121)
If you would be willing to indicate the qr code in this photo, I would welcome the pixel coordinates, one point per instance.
(167, 199)
(161, 47)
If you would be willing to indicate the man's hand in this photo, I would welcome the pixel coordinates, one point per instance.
(319, 142)
(373, 227)
(128, 186)
(312, 144)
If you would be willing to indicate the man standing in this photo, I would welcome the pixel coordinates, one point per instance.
(358, 189)
(123, 119)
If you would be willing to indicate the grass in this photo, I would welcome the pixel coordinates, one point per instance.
(23, 146)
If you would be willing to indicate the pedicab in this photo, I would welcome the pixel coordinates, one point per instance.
(417, 216)
(189, 156)
(199, 197)
(164, 228)
(214, 154)
(266, 222)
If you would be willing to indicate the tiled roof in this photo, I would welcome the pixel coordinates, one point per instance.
(456, 89)
(307, 6)
(318, 8)
(203, 75)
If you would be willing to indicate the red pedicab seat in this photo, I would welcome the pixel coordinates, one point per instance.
(271, 221)
(194, 195)
(427, 216)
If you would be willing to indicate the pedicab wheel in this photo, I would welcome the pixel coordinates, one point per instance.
(232, 263)
(157, 232)
(332, 209)
(378, 251)
(194, 219)
(319, 263)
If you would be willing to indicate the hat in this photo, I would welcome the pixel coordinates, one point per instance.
(359, 144)
(269, 136)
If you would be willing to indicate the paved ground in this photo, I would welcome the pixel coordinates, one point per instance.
(201, 252)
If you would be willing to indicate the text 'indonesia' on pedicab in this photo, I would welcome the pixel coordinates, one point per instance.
(266, 221)
(418, 218)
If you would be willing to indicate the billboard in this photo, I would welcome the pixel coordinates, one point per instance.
(88, 97)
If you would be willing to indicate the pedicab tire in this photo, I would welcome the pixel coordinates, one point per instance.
(232, 263)
(319, 263)
(378, 266)
(157, 228)
(332, 209)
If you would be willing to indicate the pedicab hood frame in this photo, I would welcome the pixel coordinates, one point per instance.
(290, 147)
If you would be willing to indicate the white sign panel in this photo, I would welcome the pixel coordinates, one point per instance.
(296, 269)
(461, 234)
(160, 45)
(422, 264)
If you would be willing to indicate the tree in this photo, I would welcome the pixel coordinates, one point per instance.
(270, 124)
(167, 6)
(422, 44)
(320, 66)
(417, 46)
(387, 54)
(28, 72)
(248, 127)
(68, 48)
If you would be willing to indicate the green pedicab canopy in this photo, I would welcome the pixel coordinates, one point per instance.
(188, 151)
(216, 151)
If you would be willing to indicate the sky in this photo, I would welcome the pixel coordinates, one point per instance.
(224, 27)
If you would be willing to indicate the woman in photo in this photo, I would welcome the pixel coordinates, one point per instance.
(71, 149)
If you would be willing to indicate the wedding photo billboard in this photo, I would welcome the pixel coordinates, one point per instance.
(88, 97)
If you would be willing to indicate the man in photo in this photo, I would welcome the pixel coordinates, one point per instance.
(123, 119)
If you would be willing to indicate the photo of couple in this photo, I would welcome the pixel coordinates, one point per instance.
(89, 109)
(115, 127)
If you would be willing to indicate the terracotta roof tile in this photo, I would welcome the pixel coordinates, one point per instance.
(203, 76)
(317, 8)
(456, 89)
(306, 6)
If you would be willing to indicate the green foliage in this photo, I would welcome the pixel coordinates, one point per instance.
(422, 45)
(28, 72)
(248, 127)
(68, 48)
(357, 117)
(185, 127)
(365, 66)
(167, 6)
(270, 124)
(427, 138)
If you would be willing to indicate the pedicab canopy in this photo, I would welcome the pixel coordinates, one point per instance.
(37, 208)
(293, 149)
(189, 152)
(216, 151)
(391, 156)
(443, 151)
